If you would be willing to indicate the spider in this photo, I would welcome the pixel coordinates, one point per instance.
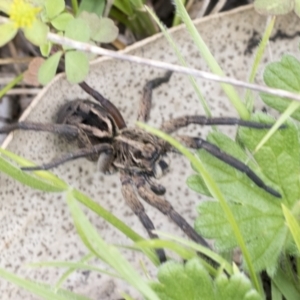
(138, 156)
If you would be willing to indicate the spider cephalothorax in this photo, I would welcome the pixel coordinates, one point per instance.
(138, 156)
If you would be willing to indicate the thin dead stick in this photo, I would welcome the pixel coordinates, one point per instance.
(166, 66)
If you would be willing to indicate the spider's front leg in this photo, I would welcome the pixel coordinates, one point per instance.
(139, 210)
(146, 100)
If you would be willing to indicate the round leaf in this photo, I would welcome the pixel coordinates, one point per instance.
(92, 20)
(107, 32)
(77, 66)
(54, 7)
(7, 33)
(61, 21)
(48, 69)
(37, 33)
(78, 29)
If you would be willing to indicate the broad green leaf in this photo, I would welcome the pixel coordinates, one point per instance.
(37, 33)
(191, 281)
(102, 30)
(48, 69)
(93, 6)
(77, 66)
(107, 32)
(282, 75)
(41, 290)
(257, 213)
(61, 21)
(274, 7)
(78, 30)
(92, 20)
(197, 184)
(54, 7)
(7, 33)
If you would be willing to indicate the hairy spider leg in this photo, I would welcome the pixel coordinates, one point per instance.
(197, 143)
(67, 130)
(137, 207)
(146, 100)
(177, 123)
(82, 152)
(166, 208)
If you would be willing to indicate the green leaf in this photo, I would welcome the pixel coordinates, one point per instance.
(78, 30)
(29, 179)
(92, 6)
(107, 31)
(7, 33)
(282, 75)
(274, 7)
(191, 281)
(37, 33)
(45, 49)
(257, 213)
(77, 66)
(102, 30)
(54, 7)
(48, 69)
(61, 21)
(39, 289)
(197, 184)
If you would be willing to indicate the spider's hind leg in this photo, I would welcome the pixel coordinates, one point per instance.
(139, 210)
(167, 209)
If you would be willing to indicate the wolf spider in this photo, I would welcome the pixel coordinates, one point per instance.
(139, 156)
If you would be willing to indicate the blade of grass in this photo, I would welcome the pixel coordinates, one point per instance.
(41, 290)
(293, 106)
(198, 248)
(10, 85)
(28, 179)
(215, 192)
(210, 60)
(257, 59)
(292, 224)
(114, 221)
(108, 253)
(183, 252)
(285, 286)
(73, 266)
(182, 61)
(48, 176)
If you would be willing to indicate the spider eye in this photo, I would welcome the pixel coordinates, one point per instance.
(160, 168)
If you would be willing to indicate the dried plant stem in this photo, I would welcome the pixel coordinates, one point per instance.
(167, 66)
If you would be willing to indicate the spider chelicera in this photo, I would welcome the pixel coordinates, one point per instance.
(138, 156)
